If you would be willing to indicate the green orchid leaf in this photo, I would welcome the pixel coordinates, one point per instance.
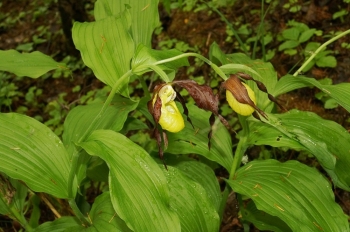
(32, 153)
(289, 83)
(106, 47)
(102, 217)
(62, 224)
(116, 114)
(78, 120)
(262, 220)
(297, 194)
(202, 174)
(307, 131)
(144, 17)
(195, 141)
(339, 92)
(138, 187)
(191, 202)
(34, 64)
(146, 57)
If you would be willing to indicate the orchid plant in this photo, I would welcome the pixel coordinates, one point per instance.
(172, 192)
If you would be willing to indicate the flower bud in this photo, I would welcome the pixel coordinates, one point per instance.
(241, 108)
(170, 117)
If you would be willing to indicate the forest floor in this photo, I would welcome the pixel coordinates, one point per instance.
(23, 23)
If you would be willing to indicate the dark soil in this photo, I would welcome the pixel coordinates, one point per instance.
(198, 29)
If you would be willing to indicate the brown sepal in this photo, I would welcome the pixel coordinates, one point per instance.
(182, 101)
(202, 94)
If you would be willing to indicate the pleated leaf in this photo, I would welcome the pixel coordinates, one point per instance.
(262, 220)
(326, 140)
(191, 202)
(106, 47)
(34, 64)
(102, 217)
(32, 153)
(81, 117)
(339, 92)
(144, 16)
(195, 141)
(294, 192)
(63, 224)
(201, 174)
(138, 187)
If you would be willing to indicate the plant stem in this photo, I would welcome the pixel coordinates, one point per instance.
(241, 147)
(78, 213)
(230, 26)
(75, 156)
(320, 49)
(145, 87)
(212, 65)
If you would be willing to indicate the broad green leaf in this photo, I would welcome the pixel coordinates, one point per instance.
(294, 192)
(103, 217)
(306, 35)
(31, 152)
(201, 174)
(288, 45)
(264, 134)
(138, 187)
(191, 202)
(262, 220)
(32, 65)
(326, 61)
(106, 47)
(195, 141)
(291, 33)
(63, 224)
(326, 140)
(289, 83)
(81, 117)
(144, 17)
(146, 57)
(339, 92)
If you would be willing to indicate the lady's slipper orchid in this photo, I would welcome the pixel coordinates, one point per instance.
(241, 108)
(240, 96)
(170, 117)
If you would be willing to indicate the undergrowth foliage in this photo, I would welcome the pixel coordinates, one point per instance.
(142, 194)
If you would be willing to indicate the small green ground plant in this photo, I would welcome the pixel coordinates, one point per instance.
(145, 189)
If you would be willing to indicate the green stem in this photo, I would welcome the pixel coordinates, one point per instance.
(241, 147)
(20, 218)
(78, 213)
(75, 157)
(320, 49)
(145, 87)
(230, 26)
(212, 65)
